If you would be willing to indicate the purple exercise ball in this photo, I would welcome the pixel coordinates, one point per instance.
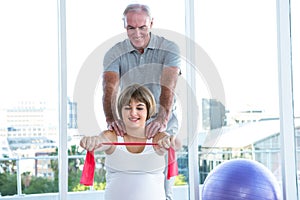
(241, 179)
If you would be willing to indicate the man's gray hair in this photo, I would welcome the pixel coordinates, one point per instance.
(137, 8)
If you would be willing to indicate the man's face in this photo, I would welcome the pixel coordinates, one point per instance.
(138, 26)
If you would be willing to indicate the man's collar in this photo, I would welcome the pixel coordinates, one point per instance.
(152, 41)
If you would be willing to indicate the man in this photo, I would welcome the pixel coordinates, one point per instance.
(146, 59)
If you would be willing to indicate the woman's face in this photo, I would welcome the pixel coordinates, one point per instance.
(134, 114)
(138, 25)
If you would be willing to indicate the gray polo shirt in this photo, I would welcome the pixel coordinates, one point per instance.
(146, 68)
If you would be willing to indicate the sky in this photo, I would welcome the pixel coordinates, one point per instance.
(242, 45)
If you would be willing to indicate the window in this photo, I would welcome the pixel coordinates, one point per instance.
(28, 76)
(229, 82)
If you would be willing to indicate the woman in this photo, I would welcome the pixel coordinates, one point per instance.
(134, 172)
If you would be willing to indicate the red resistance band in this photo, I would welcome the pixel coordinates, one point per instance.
(87, 177)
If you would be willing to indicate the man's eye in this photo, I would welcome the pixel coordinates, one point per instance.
(143, 28)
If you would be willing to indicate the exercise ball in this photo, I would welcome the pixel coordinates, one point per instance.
(240, 179)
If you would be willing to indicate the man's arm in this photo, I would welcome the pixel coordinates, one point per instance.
(110, 88)
(168, 84)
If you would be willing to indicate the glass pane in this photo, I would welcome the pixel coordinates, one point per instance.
(295, 29)
(92, 28)
(28, 105)
(241, 39)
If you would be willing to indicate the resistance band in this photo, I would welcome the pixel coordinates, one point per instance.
(128, 143)
(87, 177)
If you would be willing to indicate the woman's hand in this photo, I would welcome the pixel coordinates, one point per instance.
(90, 143)
(166, 142)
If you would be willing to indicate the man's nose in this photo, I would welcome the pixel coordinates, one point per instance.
(137, 31)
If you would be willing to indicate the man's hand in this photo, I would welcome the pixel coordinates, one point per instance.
(157, 125)
(118, 126)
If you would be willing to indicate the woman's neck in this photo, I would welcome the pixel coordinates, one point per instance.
(138, 133)
(135, 135)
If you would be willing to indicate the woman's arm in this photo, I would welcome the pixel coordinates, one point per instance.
(91, 143)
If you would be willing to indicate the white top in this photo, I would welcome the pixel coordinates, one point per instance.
(134, 176)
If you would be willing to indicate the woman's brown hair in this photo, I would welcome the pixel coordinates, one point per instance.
(139, 93)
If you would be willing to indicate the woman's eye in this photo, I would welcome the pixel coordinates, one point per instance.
(127, 108)
(140, 108)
